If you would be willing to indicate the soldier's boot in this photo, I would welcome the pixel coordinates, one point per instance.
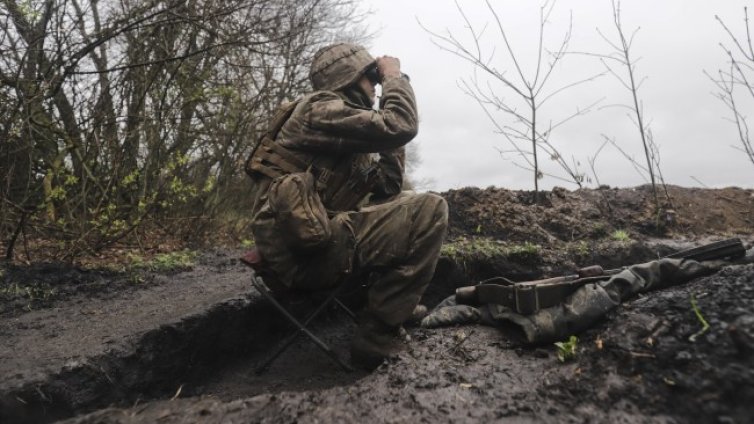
(374, 342)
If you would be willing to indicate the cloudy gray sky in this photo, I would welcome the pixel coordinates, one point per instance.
(678, 40)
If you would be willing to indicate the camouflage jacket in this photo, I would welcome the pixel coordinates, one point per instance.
(325, 129)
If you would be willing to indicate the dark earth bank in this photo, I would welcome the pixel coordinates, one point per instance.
(182, 347)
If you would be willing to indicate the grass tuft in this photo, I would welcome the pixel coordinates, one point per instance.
(567, 349)
(700, 317)
(483, 247)
(621, 236)
(165, 262)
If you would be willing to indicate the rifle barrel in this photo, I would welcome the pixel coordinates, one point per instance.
(731, 248)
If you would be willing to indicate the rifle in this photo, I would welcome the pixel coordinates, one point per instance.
(529, 297)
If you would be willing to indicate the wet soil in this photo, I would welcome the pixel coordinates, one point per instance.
(83, 348)
(184, 347)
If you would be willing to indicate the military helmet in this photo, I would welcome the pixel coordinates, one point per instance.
(338, 66)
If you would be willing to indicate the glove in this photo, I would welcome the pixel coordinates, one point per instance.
(448, 313)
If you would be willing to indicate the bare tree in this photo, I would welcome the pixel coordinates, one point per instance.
(627, 75)
(736, 83)
(525, 129)
(592, 160)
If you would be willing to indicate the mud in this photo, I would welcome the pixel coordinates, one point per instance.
(477, 374)
(41, 286)
(184, 347)
(655, 357)
(90, 349)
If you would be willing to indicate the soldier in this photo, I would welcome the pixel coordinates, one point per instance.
(327, 182)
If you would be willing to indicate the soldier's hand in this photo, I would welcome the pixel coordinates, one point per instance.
(389, 67)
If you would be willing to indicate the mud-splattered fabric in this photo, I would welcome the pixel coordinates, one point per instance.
(399, 242)
(394, 237)
(578, 311)
(337, 129)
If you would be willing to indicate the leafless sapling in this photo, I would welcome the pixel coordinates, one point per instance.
(621, 64)
(522, 125)
(735, 84)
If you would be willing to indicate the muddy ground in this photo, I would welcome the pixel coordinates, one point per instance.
(107, 346)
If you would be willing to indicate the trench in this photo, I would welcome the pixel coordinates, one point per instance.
(152, 367)
(216, 352)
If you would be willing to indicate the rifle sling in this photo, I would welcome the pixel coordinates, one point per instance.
(529, 299)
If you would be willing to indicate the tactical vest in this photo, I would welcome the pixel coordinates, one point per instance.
(339, 187)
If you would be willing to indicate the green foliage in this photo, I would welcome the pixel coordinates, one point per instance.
(119, 211)
(27, 292)
(209, 185)
(247, 244)
(29, 10)
(526, 250)
(130, 179)
(477, 247)
(599, 230)
(70, 180)
(580, 248)
(58, 193)
(180, 191)
(621, 236)
(176, 162)
(567, 349)
(109, 221)
(165, 262)
(170, 159)
(484, 247)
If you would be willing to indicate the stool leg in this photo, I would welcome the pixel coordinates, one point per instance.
(346, 309)
(301, 328)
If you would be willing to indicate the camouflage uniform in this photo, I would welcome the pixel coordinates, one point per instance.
(579, 310)
(396, 236)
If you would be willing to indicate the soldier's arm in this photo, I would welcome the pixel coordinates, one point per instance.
(346, 128)
(391, 167)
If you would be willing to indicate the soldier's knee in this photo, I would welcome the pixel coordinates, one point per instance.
(443, 209)
(435, 209)
(438, 205)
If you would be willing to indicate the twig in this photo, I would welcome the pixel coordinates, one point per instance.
(460, 342)
(641, 354)
(699, 181)
(528, 139)
(177, 393)
(14, 237)
(698, 313)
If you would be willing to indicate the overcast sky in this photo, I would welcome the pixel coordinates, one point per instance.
(678, 40)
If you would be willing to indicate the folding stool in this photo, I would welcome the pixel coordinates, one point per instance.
(254, 260)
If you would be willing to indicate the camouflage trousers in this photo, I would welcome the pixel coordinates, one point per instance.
(395, 245)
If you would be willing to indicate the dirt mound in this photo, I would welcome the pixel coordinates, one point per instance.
(590, 214)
